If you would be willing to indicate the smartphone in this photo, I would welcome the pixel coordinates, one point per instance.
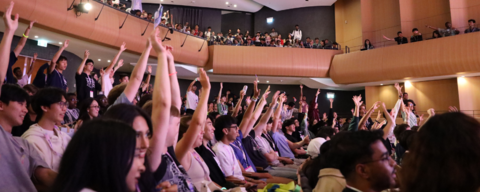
(245, 88)
(330, 95)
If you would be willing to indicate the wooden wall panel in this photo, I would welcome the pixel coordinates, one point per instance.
(463, 10)
(271, 61)
(379, 17)
(387, 94)
(469, 95)
(418, 13)
(53, 15)
(348, 23)
(422, 59)
(438, 94)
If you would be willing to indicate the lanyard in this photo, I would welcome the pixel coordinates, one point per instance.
(201, 162)
(49, 141)
(239, 147)
(216, 159)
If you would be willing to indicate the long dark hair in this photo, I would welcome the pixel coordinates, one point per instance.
(84, 106)
(444, 156)
(98, 157)
(127, 114)
(369, 43)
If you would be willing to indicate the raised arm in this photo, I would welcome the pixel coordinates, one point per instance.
(57, 55)
(219, 100)
(354, 123)
(388, 39)
(196, 124)
(258, 111)
(330, 114)
(399, 101)
(82, 65)
(23, 40)
(278, 111)
(434, 28)
(239, 104)
(191, 85)
(149, 74)
(388, 130)
(137, 74)
(161, 103)
(115, 59)
(30, 71)
(431, 113)
(10, 27)
(264, 120)
(245, 122)
(175, 87)
(368, 114)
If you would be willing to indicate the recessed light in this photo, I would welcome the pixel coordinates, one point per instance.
(226, 2)
(109, 61)
(36, 36)
(235, 5)
(60, 43)
(268, 81)
(99, 60)
(258, 81)
(381, 84)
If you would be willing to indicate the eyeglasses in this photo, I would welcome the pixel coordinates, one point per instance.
(234, 127)
(385, 157)
(63, 104)
(95, 107)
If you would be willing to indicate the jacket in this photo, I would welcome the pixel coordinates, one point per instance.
(330, 180)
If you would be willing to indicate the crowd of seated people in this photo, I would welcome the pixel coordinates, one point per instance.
(130, 137)
(417, 36)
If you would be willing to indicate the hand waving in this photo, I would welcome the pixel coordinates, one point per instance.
(11, 25)
(204, 80)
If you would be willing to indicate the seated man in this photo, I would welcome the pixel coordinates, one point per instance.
(471, 26)
(417, 36)
(365, 162)
(294, 141)
(400, 39)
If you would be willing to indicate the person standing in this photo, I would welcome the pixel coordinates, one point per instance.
(58, 64)
(297, 33)
(22, 80)
(15, 53)
(192, 97)
(87, 86)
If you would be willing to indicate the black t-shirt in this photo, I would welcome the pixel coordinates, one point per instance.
(402, 40)
(19, 130)
(85, 85)
(270, 140)
(10, 77)
(253, 151)
(39, 80)
(292, 137)
(216, 173)
(56, 79)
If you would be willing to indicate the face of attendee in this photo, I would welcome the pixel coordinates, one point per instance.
(224, 99)
(72, 102)
(405, 96)
(88, 67)
(367, 42)
(138, 13)
(362, 110)
(208, 131)
(269, 126)
(62, 65)
(291, 128)
(238, 30)
(315, 121)
(289, 107)
(110, 2)
(125, 79)
(196, 27)
(296, 27)
(449, 25)
(342, 120)
(14, 112)
(326, 40)
(18, 73)
(141, 128)
(400, 34)
(380, 171)
(415, 32)
(56, 111)
(93, 109)
(194, 88)
(324, 116)
(471, 24)
(103, 102)
(231, 132)
(410, 105)
(297, 124)
(135, 171)
(322, 43)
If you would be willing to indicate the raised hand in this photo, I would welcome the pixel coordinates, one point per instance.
(383, 105)
(275, 97)
(204, 80)
(301, 86)
(357, 100)
(331, 100)
(123, 47)
(65, 44)
(102, 72)
(30, 26)
(11, 25)
(221, 85)
(120, 63)
(421, 117)
(318, 92)
(149, 69)
(156, 42)
(35, 55)
(452, 109)
(431, 112)
(256, 92)
(86, 54)
(399, 88)
(376, 105)
(294, 99)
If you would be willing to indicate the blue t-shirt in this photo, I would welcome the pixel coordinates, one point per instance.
(56, 79)
(282, 145)
(241, 153)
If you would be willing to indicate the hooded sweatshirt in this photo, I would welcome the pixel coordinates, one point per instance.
(50, 144)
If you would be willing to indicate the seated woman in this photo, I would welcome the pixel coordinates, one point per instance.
(91, 164)
(89, 109)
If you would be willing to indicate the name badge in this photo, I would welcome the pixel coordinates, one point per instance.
(249, 169)
(91, 94)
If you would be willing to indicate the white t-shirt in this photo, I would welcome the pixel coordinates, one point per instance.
(107, 84)
(265, 147)
(192, 100)
(313, 148)
(23, 81)
(228, 160)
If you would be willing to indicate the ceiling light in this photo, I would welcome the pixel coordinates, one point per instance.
(99, 60)
(381, 84)
(235, 5)
(87, 6)
(408, 84)
(36, 36)
(60, 43)
(268, 81)
(161, 0)
(109, 61)
(226, 2)
(258, 81)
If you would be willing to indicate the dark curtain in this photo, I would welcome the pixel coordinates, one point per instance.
(191, 15)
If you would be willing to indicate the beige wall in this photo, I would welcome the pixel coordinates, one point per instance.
(469, 95)
(380, 17)
(438, 94)
(349, 33)
(418, 13)
(463, 10)
(387, 94)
